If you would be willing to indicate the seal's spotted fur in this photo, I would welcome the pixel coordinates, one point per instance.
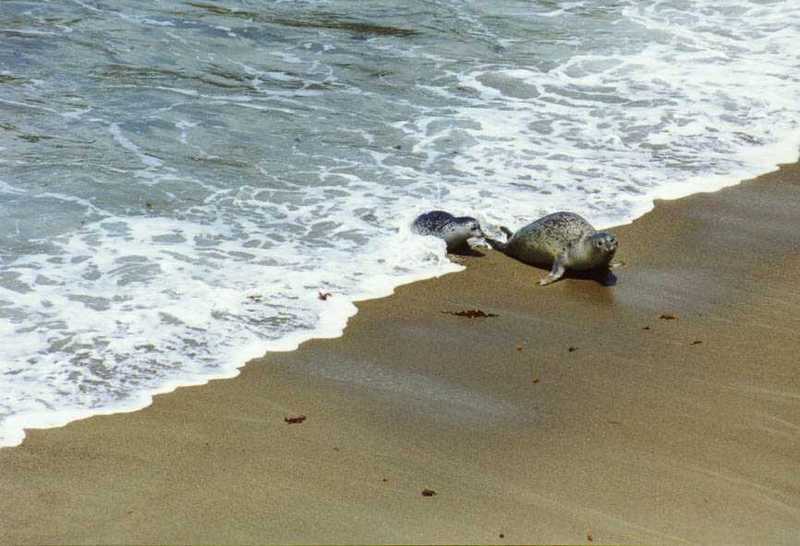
(456, 231)
(562, 240)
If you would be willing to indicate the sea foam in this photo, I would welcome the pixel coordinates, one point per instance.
(171, 214)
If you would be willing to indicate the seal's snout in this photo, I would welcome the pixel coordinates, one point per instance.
(605, 242)
(477, 239)
(474, 228)
(476, 235)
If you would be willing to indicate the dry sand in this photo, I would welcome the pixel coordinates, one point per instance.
(650, 430)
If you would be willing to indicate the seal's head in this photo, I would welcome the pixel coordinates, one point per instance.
(470, 225)
(593, 251)
(462, 230)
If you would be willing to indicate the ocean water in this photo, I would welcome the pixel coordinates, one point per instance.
(180, 179)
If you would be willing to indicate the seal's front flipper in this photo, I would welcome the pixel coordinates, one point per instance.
(556, 272)
(618, 263)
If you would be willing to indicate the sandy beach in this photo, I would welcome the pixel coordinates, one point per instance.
(663, 409)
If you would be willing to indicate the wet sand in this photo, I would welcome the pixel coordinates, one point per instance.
(580, 413)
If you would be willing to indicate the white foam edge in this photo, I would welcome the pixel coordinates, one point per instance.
(767, 159)
(332, 325)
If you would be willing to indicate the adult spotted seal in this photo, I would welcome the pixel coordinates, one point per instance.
(456, 231)
(562, 240)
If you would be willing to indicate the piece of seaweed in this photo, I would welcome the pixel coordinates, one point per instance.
(471, 313)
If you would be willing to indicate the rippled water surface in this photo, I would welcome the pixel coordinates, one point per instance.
(179, 180)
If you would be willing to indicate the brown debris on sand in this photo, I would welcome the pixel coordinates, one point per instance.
(470, 313)
(428, 492)
(295, 420)
(666, 316)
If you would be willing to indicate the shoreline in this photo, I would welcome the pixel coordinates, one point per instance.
(634, 435)
(332, 328)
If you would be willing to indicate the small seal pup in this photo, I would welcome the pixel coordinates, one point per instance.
(456, 231)
(563, 240)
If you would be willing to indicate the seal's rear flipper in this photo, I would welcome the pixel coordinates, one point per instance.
(495, 244)
(499, 245)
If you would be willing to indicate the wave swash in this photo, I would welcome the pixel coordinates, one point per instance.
(178, 182)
